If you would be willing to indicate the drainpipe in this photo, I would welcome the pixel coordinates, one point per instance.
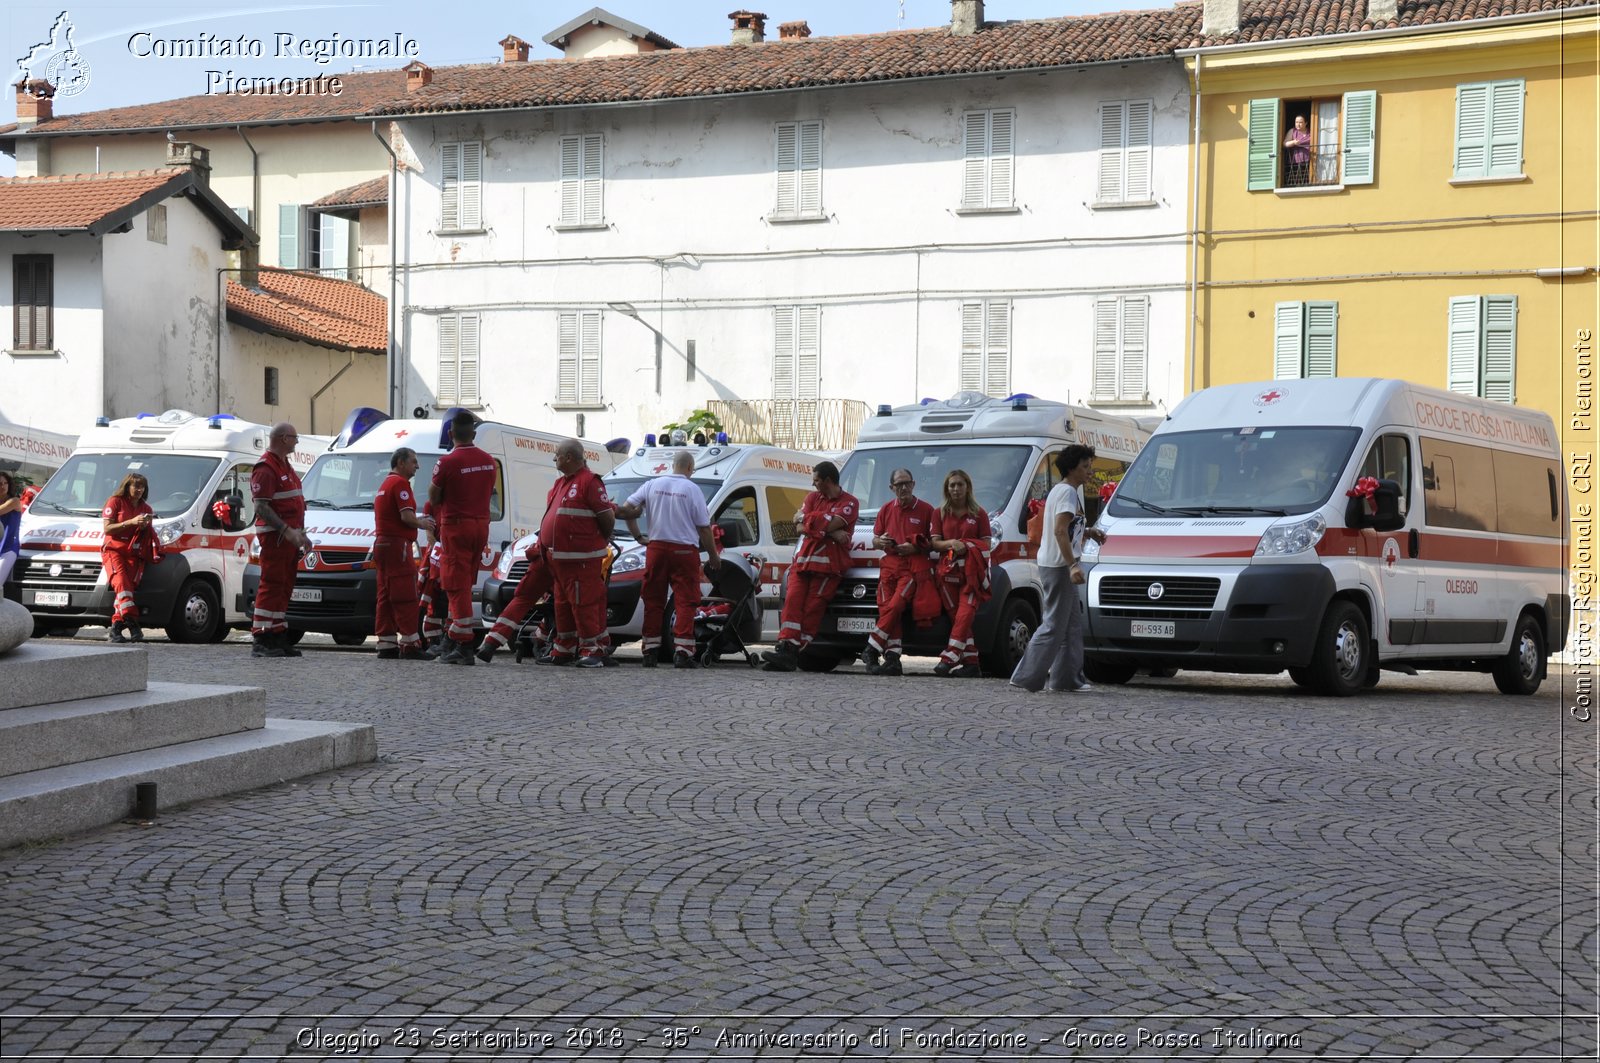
(255, 179)
(1194, 232)
(331, 381)
(222, 325)
(394, 250)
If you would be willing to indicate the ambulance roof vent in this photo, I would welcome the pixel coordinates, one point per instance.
(966, 399)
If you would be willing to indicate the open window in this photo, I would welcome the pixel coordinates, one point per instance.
(1312, 141)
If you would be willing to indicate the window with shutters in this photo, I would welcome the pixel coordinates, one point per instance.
(1317, 142)
(799, 171)
(1489, 130)
(986, 347)
(988, 163)
(582, 189)
(461, 186)
(1125, 152)
(458, 361)
(1481, 352)
(1121, 348)
(578, 358)
(796, 376)
(289, 226)
(1305, 340)
(33, 302)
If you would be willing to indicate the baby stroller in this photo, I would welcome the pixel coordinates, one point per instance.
(719, 616)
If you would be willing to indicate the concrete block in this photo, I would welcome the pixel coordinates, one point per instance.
(41, 672)
(16, 625)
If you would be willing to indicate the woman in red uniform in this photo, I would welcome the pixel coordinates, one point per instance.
(962, 537)
(129, 543)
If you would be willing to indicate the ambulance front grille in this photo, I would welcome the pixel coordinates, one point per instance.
(518, 570)
(1177, 592)
(36, 573)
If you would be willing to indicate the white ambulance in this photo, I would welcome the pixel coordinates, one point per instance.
(1008, 447)
(1235, 543)
(336, 588)
(192, 463)
(31, 455)
(752, 491)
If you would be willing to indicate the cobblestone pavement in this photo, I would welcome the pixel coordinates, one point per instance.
(719, 864)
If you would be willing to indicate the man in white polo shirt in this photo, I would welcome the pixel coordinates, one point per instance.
(680, 527)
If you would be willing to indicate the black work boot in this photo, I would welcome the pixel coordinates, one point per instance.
(891, 664)
(869, 661)
(265, 645)
(784, 657)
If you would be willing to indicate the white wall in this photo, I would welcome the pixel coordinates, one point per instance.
(58, 392)
(303, 370)
(890, 264)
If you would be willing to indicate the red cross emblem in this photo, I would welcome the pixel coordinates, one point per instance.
(660, 468)
(1268, 398)
(402, 433)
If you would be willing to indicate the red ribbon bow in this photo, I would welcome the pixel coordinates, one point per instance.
(1035, 507)
(221, 510)
(1365, 487)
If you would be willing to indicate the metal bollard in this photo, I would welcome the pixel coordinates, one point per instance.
(144, 800)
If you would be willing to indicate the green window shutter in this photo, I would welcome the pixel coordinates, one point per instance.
(1500, 348)
(1472, 130)
(1505, 129)
(1465, 342)
(1360, 137)
(1261, 173)
(289, 235)
(1322, 339)
(1288, 340)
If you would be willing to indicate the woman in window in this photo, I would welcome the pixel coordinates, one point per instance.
(130, 542)
(1298, 145)
(963, 572)
(10, 524)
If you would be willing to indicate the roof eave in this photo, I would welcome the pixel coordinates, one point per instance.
(247, 320)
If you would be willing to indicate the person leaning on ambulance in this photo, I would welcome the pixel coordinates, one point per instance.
(281, 533)
(395, 526)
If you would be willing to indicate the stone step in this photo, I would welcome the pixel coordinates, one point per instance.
(64, 800)
(164, 714)
(41, 671)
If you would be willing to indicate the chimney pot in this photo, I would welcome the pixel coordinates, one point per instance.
(513, 50)
(966, 17)
(35, 102)
(749, 27)
(195, 157)
(790, 31)
(1220, 18)
(419, 75)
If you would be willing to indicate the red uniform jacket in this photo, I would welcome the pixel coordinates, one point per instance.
(275, 482)
(968, 571)
(817, 552)
(394, 497)
(570, 528)
(137, 542)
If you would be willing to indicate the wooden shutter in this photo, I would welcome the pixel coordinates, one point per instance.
(289, 236)
(1140, 151)
(589, 357)
(1135, 346)
(1504, 147)
(808, 375)
(1322, 339)
(975, 158)
(783, 375)
(1464, 344)
(1113, 139)
(1500, 348)
(1261, 169)
(1002, 162)
(1288, 340)
(593, 188)
(997, 348)
(467, 360)
(810, 169)
(470, 196)
(571, 180)
(33, 301)
(788, 167)
(970, 374)
(567, 357)
(1360, 138)
(448, 389)
(1104, 373)
(1472, 130)
(450, 187)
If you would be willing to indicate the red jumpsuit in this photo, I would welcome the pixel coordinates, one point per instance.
(397, 574)
(819, 563)
(124, 555)
(430, 599)
(466, 478)
(577, 551)
(898, 575)
(537, 582)
(964, 581)
(274, 482)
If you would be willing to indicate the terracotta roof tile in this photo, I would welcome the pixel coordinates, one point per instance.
(318, 310)
(373, 193)
(76, 202)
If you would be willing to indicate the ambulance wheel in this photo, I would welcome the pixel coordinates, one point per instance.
(196, 614)
(1113, 675)
(1339, 659)
(817, 661)
(220, 634)
(1521, 670)
(1301, 676)
(1017, 624)
(349, 638)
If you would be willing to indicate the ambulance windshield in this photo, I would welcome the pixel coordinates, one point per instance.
(87, 480)
(995, 471)
(1263, 471)
(342, 480)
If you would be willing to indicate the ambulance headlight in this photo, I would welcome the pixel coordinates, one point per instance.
(169, 530)
(631, 560)
(1292, 537)
(502, 567)
(1091, 548)
(255, 550)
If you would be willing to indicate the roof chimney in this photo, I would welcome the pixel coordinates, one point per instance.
(513, 50)
(966, 17)
(1381, 11)
(419, 75)
(793, 31)
(1220, 18)
(196, 158)
(35, 102)
(749, 27)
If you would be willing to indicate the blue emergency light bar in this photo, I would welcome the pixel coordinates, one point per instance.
(362, 420)
(649, 439)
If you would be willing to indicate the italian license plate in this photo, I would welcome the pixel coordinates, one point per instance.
(306, 594)
(1152, 629)
(52, 598)
(860, 625)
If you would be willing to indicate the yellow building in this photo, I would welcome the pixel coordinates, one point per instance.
(1413, 202)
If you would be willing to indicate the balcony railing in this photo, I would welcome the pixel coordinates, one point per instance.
(1322, 169)
(804, 424)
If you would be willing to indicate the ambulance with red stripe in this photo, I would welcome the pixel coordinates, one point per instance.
(199, 473)
(1334, 528)
(1008, 447)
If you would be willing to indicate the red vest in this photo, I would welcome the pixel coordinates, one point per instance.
(275, 482)
(570, 528)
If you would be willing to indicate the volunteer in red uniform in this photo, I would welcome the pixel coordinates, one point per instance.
(575, 531)
(463, 485)
(281, 533)
(129, 543)
(963, 572)
(537, 582)
(430, 599)
(825, 522)
(680, 527)
(904, 532)
(396, 524)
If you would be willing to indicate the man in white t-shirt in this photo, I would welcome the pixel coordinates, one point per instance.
(680, 527)
(1054, 657)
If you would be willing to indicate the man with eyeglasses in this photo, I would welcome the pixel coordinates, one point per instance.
(904, 532)
(825, 521)
(280, 532)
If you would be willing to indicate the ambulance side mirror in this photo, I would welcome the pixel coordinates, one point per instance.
(1385, 515)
